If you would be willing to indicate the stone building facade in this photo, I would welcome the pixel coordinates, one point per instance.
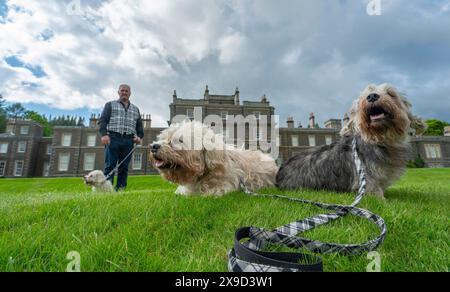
(78, 150)
(23, 150)
(74, 151)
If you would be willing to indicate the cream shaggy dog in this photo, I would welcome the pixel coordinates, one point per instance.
(380, 121)
(192, 156)
(98, 181)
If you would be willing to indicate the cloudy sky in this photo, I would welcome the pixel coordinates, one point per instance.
(68, 57)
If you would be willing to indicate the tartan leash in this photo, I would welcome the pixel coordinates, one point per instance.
(250, 257)
(112, 172)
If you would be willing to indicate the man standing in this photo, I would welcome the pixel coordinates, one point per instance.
(120, 127)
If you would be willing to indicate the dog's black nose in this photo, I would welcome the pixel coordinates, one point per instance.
(373, 97)
(155, 147)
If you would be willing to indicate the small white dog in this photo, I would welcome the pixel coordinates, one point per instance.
(98, 181)
(214, 170)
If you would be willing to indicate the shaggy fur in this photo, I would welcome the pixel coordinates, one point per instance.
(208, 171)
(98, 181)
(380, 119)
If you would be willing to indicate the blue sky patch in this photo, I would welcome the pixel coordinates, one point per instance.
(14, 61)
(49, 111)
(3, 10)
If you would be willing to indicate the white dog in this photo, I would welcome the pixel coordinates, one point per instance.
(213, 170)
(98, 181)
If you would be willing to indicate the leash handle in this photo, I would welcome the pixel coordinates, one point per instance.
(249, 257)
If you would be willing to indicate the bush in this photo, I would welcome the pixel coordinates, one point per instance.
(417, 163)
(411, 164)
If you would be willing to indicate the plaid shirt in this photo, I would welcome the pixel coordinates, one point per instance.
(116, 118)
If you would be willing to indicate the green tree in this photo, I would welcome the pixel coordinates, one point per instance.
(435, 127)
(15, 111)
(3, 118)
(42, 120)
(80, 122)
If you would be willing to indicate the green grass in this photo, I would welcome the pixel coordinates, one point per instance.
(148, 228)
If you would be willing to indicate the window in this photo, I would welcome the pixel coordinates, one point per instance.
(225, 135)
(228, 135)
(328, 140)
(66, 139)
(190, 113)
(24, 130)
(224, 115)
(3, 148)
(46, 171)
(433, 151)
(22, 147)
(89, 161)
(2, 168)
(295, 141)
(312, 140)
(91, 139)
(137, 161)
(63, 163)
(10, 129)
(262, 134)
(18, 168)
(49, 149)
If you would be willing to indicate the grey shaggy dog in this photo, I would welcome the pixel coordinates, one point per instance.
(380, 120)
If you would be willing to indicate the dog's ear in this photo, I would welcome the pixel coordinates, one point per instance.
(214, 159)
(214, 151)
(417, 124)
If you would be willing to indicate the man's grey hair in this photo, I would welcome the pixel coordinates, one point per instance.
(124, 85)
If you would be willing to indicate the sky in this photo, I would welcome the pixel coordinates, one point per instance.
(69, 57)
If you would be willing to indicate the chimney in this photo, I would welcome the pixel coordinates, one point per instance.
(93, 121)
(206, 95)
(290, 123)
(312, 120)
(264, 98)
(447, 131)
(174, 95)
(147, 121)
(236, 96)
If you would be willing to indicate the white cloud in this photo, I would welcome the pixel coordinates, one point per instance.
(292, 51)
(232, 48)
(291, 57)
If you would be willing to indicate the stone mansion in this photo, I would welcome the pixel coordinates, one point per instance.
(74, 151)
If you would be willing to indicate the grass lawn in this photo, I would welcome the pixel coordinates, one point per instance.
(148, 228)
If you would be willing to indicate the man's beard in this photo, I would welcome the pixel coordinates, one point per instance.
(124, 98)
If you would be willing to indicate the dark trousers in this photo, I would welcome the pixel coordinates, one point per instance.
(117, 150)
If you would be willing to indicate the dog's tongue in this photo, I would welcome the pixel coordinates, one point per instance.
(159, 163)
(377, 117)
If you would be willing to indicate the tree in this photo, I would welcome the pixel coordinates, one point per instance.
(42, 120)
(435, 127)
(80, 122)
(3, 119)
(15, 111)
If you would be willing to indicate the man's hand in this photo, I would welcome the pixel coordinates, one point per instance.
(106, 140)
(137, 140)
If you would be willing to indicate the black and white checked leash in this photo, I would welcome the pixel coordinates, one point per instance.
(114, 171)
(250, 257)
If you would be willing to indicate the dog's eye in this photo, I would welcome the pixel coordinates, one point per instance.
(391, 94)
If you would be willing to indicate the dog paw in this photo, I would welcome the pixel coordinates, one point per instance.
(182, 190)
